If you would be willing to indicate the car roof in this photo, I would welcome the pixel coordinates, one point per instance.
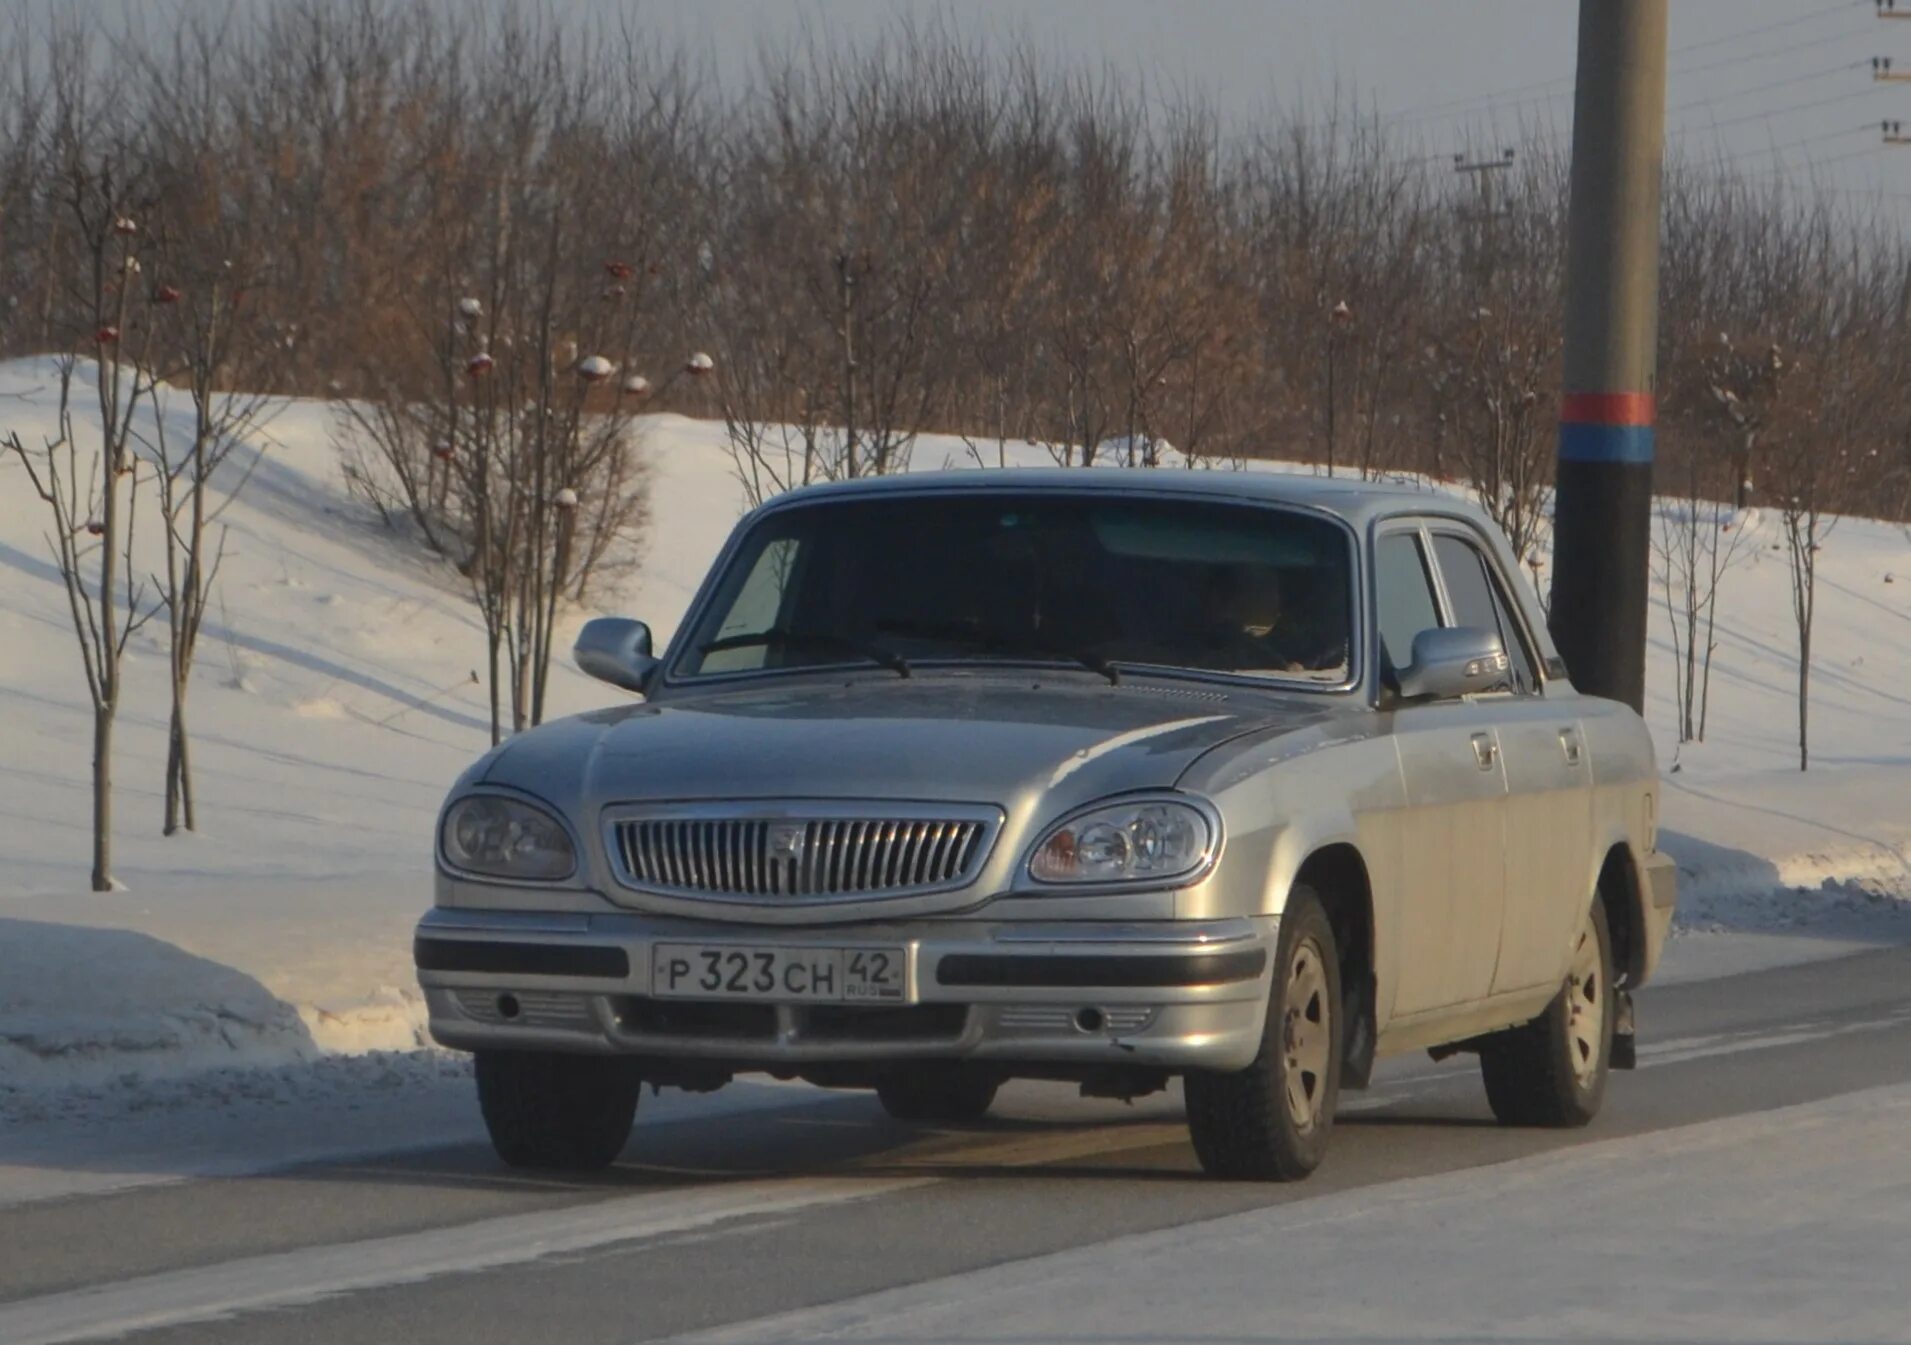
(1356, 501)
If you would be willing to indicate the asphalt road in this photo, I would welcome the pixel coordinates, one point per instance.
(744, 1214)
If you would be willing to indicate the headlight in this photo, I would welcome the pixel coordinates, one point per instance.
(502, 838)
(1140, 840)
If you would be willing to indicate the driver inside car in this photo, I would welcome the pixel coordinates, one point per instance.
(1256, 625)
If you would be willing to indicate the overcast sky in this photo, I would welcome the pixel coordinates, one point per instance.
(1748, 77)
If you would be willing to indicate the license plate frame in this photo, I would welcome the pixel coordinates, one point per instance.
(780, 973)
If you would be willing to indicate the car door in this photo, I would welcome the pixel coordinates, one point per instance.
(1452, 831)
(1548, 847)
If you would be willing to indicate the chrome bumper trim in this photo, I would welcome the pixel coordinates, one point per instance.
(1170, 1006)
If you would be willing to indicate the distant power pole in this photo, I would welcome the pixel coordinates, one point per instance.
(1486, 214)
(1603, 512)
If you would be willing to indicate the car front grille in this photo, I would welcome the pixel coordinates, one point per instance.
(794, 855)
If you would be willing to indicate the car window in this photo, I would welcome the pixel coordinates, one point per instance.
(759, 601)
(1043, 576)
(1477, 601)
(1403, 595)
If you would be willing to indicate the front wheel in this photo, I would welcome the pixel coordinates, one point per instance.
(1552, 1071)
(569, 1113)
(1270, 1121)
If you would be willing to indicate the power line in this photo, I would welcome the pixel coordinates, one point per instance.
(1766, 88)
(1468, 100)
(1471, 104)
(1812, 165)
(1812, 140)
(1771, 53)
(1776, 112)
(1773, 27)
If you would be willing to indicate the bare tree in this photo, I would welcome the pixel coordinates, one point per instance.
(504, 431)
(212, 339)
(1699, 535)
(195, 484)
(1813, 461)
(95, 171)
(92, 503)
(1490, 387)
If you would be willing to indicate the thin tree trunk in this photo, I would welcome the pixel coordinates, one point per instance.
(185, 773)
(848, 284)
(107, 702)
(491, 652)
(103, 797)
(174, 733)
(1804, 704)
(1330, 404)
(1705, 676)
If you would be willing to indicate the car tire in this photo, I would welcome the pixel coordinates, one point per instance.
(927, 1094)
(1552, 1071)
(569, 1113)
(1271, 1121)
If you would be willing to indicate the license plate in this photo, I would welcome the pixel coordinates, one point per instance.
(740, 971)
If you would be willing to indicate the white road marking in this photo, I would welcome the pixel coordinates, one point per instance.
(1676, 1051)
(296, 1278)
(289, 1279)
(1681, 1049)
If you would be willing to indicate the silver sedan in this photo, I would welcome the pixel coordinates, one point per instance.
(1106, 777)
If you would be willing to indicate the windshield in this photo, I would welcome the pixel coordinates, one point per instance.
(899, 581)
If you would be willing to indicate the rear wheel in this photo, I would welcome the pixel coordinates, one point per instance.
(926, 1093)
(1270, 1121)
(1552, 1071)
(563, 1112)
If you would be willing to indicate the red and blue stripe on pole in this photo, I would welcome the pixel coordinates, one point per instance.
(1611, 427)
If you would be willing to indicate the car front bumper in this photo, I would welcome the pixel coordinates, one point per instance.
(1065, 996)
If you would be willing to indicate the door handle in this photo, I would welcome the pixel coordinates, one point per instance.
(1485, 750)
(1569, 744)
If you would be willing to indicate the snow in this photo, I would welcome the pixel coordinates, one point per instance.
(335, 701)
(1784, 1225)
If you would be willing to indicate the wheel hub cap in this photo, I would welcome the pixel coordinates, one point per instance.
(1306, 1035)
(1585, 1006)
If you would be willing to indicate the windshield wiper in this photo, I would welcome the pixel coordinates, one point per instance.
(1088, 658)
(963, 632)
(818, 641)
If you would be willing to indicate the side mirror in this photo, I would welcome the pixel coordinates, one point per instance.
(1454, 661)
(616, 649)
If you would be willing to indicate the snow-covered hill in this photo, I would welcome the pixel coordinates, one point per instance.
(335, 700)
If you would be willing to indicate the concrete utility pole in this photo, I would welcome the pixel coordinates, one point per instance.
(1603, 515)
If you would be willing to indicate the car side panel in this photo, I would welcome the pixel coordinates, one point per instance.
(1287, 797)
(1549, 849)
(1625, 803)
(1453, 842)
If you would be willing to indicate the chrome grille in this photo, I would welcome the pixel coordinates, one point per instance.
(801, 856)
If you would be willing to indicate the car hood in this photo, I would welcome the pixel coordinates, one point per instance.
(945, 739)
